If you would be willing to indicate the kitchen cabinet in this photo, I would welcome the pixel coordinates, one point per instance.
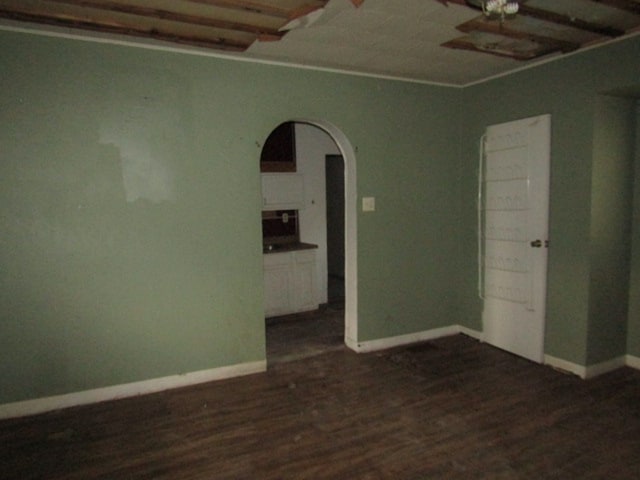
(304, 274)
(282, 191)
(290, 282)
(277, 284)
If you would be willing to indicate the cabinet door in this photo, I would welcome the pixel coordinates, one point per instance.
(282, 191)
(290, 282)
(304, 284)
(277, 285)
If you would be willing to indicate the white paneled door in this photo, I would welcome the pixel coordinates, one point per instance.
(513, 234)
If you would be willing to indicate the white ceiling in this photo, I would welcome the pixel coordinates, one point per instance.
(390, 38)
(395, 38)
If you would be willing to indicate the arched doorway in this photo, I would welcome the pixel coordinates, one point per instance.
(343, 149)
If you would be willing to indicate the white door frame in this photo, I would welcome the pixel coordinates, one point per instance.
(351, 227)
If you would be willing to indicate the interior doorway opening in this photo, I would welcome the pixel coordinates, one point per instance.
(326, 162)
(334, 181)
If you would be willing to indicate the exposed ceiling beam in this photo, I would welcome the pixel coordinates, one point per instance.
(626, 5)
(121, 29)
(630, 6)
(482, 25)
(569, 21)
(464, 43)
(256, 7)
(253, 7)
(454, 2)
(302, 11)
(130, 9)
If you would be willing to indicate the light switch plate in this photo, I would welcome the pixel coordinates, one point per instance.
(368, 204)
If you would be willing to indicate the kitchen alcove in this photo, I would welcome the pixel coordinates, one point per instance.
(312, 142)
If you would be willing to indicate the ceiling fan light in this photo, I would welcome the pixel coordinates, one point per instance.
(492, 5)
(511, 8)
(499, 8)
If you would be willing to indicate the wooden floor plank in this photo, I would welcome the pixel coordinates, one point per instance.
(451, 408)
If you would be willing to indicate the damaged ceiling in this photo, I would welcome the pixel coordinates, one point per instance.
(440, 41)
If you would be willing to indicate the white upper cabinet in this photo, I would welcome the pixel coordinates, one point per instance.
(282, 191)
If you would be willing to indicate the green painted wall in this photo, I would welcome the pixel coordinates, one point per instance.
(130, 205)
(130, 208)
(633, 327)
(610, 235)
(567, 89)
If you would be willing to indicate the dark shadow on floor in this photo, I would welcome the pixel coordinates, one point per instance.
(298, 336)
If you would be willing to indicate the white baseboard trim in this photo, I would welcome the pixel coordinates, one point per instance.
(565, 366)
(605, 367)
(351, 343)
(400, 340)
(46, 404)
(633, 362)
(478, 335)
(587, 372)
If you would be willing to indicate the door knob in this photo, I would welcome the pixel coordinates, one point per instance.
(536, 243)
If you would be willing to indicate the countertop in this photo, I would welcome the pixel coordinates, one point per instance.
(287, 247)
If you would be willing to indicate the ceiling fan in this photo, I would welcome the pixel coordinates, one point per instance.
(497, 9)
(492, 9)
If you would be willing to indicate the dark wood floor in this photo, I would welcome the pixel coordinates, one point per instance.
(304, 335)
(451, 408)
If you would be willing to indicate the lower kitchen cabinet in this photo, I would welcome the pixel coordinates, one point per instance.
(290, 282)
